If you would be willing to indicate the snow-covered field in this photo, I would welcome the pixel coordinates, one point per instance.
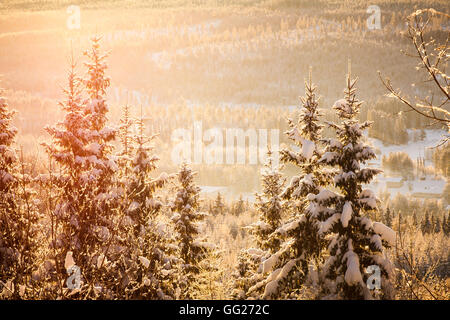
(430, 186)
(413, 149)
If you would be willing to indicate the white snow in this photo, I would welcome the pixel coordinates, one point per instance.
(255, 252)
(268, 264)
(290, 225)
(376, 239)
(323, 195)
(204, 244)
(261, 225)
(341, 104)
(274, 275)
(308, 148)
(385, 232)
(271, 288)
(328, 156)
(347, 212)
(94, 148)
(286, 269)
(327, 224)
(353, 274)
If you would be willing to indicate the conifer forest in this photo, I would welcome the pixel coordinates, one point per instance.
(224, 150)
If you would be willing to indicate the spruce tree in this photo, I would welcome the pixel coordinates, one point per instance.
(219, 206)
(388, 218)
(270, 207)
(356, 241)
(9, 230)
(19, 217)
(437, 225)
(446, 225)
(289, 266)
(147, 262)
(426, 224)
(433, 223)
(81, 146)
(414, 219)
(193, 249)
(240, 206)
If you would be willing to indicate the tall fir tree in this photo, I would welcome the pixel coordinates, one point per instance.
(187, 219)
(219, 206)
(9, 230)
(437, 225)
(270, 207)
(289, 267)
(356, 242)
(388, 217)
(426, 224)
(446, 225)
(81, 146)
(414, 219)
(147, 263)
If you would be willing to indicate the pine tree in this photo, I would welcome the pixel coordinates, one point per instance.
(141, 187)
(433, 223)
(187, 218)
(426, 224)
(388, 218)
(437, 225)
(8, 186)
(81, 146)
(302, 245)
(147, 263)
(270, 207)
(246, 274)
(126, 139)
(219, 206)
(414, 219)
(19, 217)
(356, 242)
(446, 225)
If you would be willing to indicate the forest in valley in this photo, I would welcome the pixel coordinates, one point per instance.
(224, 150)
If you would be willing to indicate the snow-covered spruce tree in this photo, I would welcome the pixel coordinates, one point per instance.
(219, 206)
(270, 207)
(146, 261)
(357, 243)
(126, 141)
(19, 218)
(289, 267)
(8, 185)
(81, 146)
(187, 218)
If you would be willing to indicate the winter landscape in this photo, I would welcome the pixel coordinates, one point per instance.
(216, 150)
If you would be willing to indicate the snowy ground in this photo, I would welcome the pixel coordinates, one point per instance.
(431, 186)
(413, 149)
